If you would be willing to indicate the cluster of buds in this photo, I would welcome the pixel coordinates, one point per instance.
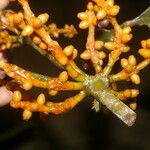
(102, 85)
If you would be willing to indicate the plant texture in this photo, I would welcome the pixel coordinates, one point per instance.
(24, 27)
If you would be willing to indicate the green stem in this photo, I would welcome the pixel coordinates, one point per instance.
(98, 87)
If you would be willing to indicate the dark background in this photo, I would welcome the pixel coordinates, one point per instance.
(82, 128)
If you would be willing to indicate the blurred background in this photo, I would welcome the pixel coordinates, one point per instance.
(82, 128)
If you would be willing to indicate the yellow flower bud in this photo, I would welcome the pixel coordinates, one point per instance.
(133, 105)
(36, 40)
(84, 25)
(44, 18)
(132, 60)
(125, 49)
(135, 78)
(134, 93)
(90, 6)
(17, 18)
(27, 115)
(144, 52)
(28, 30)
(36, 22)
(101, 14)
(126, 38)
(109, 45)
(102, 55)
(148, 43)
(17, 96)
(63, 77)
(68, 50)
(98, 44)
(85, 55)
(124, 62)
(27, 85)
(42, 45)
(143, 43)
(52, 92)
(126, 30)
(41, 99)
(83, 16)
(110, 2)
(75, 53)
(114, 10)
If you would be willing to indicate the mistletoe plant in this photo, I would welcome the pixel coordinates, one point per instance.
(24, 27)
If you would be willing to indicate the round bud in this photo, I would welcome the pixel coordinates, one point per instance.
(83, 16)
(36, 40)
(41, 99)
(101, 14)
(84, 25)
(114, 10)
(63, 76)
(27, 84)
(133, 105)
(17, 96)
(102, 55)
(134, 93)
(109, 45)
(27, 31)
(90, 6)
(144, 52)
(27, 115)
(143, 43)
(36, 22)
(53, 92)
(75, 53)
(135, 78)
(124, 62)
(68, 50)
(126, 30)
(148, 43)
(42, 45)
(17, 18)
(132, 60)
(110, 2)
(44, 18)
(98, 44)
(126, 38)
(85, 55)
(125, 49)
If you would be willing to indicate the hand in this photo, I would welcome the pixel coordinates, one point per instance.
(3, 4)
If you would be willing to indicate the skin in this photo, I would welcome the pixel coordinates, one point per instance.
(3, 4)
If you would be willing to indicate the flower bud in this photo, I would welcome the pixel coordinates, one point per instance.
(144, 52)
(101, 14)
(114, 10)
(132, 60)
(44, 18)
(68, 50)
(27, 31)
(85, 55)
(98, 44)
(110, 2)
(135, 78)
(84, 25)
(63, 77)
(41, 99)
(83, 15)
(124, 62)
(36, 22)
(27, 115)
(109, 45)
(17, 96)
(133, 105)
(27, 85)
